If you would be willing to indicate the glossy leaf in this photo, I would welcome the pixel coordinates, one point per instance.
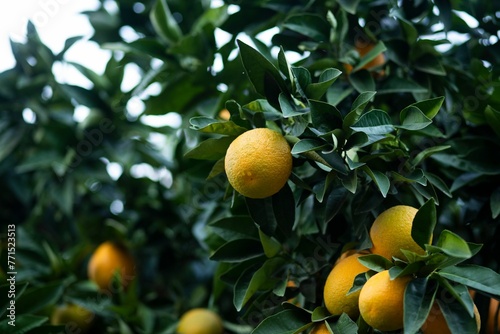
(424, 223)
(418, 300)
(164, 22)
(210, 149)
(476, 277)
(210, 125)
(284, 322)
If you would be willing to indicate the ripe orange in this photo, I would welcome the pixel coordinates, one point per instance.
(74, 316)
(436, 323)
(363, 47)
(258, 163)
(224, 114)
(350, 252)
(338, 284)
(381, 301)
(493, 317)
(200, 321)
(320, 329)
(108, 259)
(391, 232)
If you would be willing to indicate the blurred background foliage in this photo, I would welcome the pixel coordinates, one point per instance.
(69, 184)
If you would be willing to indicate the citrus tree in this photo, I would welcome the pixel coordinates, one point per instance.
(335, 171)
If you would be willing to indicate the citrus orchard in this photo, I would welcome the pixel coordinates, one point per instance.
(107, 259)
(391, 232)
(258, 163)
(338, 284)
(381, 301)
(200, 321)
(436, 323)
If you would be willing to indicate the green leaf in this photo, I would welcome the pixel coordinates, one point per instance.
(261, 211)
(345, 325)
(418, 300)
(430, 64)
(396, 84)
(495, 203)
(457, 317)
(358, 283)
(9, 139)
(361, 101)
(285, 322)
(429, 107)
(210, 149)
(36, 298)
(310, 25)
(235, 227)
(349, 6)
(238, 250)
(493, 118)
(381, 180)
(374, 122)
(271, 246)
(476, 277)
(307, 145)
(4, 290)
(251, 282)
(413, 119)
(164, 23)
(23, 324)
(424, 223)
(325, 116)
(427, 153)
(264, 76)
(210, 125)
(316, 90)
(453, 245)
(362, 81)
(375, 262)
(320, 313)
(437, 182)
(291, 106)
(284, 210)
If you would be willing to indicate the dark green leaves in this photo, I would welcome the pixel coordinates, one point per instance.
(424, 223)
(285, 322)
(418, 300)
(164, 22)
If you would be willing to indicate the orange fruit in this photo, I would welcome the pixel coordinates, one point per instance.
(110, 258)
(493, 317)
(391, 232)
(72, 315)
(436, 323)
(320, 329)
(224, 114)
(258, 163)
(381, 301)
(200, 321)
(363, 47)
(338, 284)
(352, 252)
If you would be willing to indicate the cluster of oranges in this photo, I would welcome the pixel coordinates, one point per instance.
(380, 302)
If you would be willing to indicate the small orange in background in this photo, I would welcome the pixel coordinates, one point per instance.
(363, 47)
(200, 321)
(224, 114)
(493, 317)
(436, 323)
(320, 329)
(107, 259)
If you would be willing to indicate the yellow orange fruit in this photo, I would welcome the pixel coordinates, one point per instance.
(493, 324)
(363, 47)
(73, 316)
(108, 259)
(258, 163)
(224, 114)
(352, 252)
(381, 301)
(320, 329)
(391, 232)
(338, 284)
(200, 321)
(436, 323)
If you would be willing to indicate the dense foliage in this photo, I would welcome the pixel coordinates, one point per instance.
(422, 128)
